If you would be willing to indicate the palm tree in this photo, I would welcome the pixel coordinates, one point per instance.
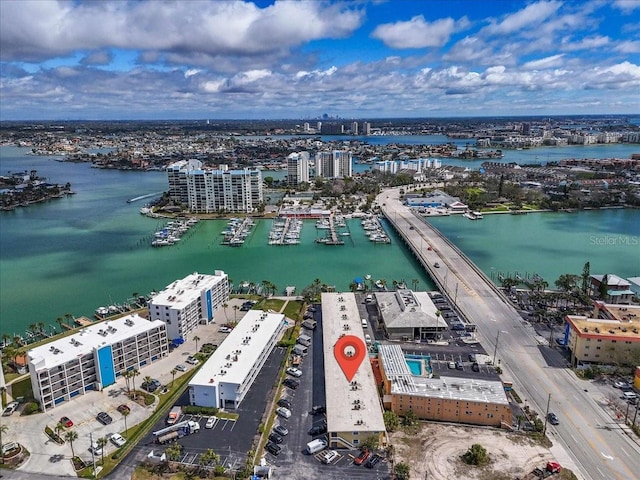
(102, 442)
(60, 321)
(41, 328)
(353, 287)
(235, 313)
(147, 380)
(196, 339)
(125, 414)
(3, 429)
(71, 436)
(5, 339)
(209, 457)
(127, 376)
(224, 308)
(134, 373)
(59, 428)
(173, 375)
(415, 283)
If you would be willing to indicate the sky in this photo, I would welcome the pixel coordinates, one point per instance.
(192, 59)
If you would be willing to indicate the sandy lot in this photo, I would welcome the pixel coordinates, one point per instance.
(434, 452)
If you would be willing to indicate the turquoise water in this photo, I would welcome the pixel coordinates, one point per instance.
(75, 254)
(549, 244)
(415, 366)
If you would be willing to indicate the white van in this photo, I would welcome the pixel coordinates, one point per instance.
(316, 446)
(364, 323)
(367, 338)
(630, 396)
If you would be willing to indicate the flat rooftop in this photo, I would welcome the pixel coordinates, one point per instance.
(340, 316)
(611, 321)
(184, 291)
(237, 354)
(405, 308)
(89, 338)
(403, 382)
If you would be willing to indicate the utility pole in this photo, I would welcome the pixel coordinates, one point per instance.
(495, 350)
(93, 455)
(546, 416)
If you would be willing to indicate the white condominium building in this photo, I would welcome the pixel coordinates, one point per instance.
(225, 378)
(94, 358)
(335, 164)
(209, 191)
(297, 168)
(188, 302)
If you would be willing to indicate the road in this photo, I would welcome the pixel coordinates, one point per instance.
(596, 453)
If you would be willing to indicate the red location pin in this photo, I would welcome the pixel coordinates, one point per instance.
(349, 351)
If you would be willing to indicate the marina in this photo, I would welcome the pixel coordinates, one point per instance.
(172, 232)
(335, 227)
(237, 231)
(285, 231)
(373, 229)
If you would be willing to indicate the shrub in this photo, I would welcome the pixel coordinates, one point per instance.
(30, 408)
(476, 455)
(195, 410)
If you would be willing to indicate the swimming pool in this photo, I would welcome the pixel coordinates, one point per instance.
(415, 366)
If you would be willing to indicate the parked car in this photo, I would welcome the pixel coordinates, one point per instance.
(275, 438)
(373, 461)
(181, 368)
(475, 367)
(317, 410)
(192, 360)
(329, 456)
(12, 407)
(117, 439)
(317, 430)
(295, 372)
(472, 357)
(224, 329)
(622, 385)
(281, 430)
(283, 412)
(459, 366)
(364, 455)
(124, 409)
(151, 386)
(283, 402)
(211, 421)
(66, 421)
(291, 383)
(452, 365)
(95, 449)
(104, 418)
(553, 419)
(273, 448)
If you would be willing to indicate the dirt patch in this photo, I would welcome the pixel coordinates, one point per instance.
(436, 449)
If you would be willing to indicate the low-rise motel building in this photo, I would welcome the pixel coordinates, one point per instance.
(226, 377)
(610, 335)
(94, 358)
(449, 399)
(354, 410)
(189, 302)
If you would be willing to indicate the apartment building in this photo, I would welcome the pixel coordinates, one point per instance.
(226, 377)
(297, 168)
(449, 399)
(354, 409)
(94, 358)
(610, 335)
(335, 164)
(210, 191)
(189, 302)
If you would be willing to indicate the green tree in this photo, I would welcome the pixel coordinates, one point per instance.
(173, 375)
(415, 283)
(235, 313)
(125, 414)
(586, 275)
(102, 443)
(409, 419)
(173, 451)
(402, 471)
(391, 421)
(71, 436)
(209, 457)
(567, 282)
(372, 442)
(603, 289)
(476, 455)
(224, 309)
(134, 373)
(196, 339)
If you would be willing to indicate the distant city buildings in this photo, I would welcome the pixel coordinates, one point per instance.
(334, 164)
(419, 165)
(297, 168)
(213, 191)
(94, 358)
(189, 302)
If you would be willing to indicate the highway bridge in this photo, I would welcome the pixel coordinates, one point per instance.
(579, 442)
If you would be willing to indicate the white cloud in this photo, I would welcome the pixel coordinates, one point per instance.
(543, 63)
(628, 46)
(585, 43)
(191, 72)
(417, 32)
(42, 29)
(626, 6)
(533, 14)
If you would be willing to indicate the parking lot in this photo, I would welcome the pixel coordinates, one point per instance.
(293, 461)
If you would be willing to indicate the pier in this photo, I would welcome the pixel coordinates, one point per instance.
(501, 329)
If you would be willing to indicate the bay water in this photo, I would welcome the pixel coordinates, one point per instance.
(92, 249)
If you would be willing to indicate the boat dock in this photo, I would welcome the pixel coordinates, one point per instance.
(237, 231)
(373, 229)
(332, 223)
(285, 231)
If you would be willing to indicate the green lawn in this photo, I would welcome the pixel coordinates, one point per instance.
(22, 388)
(274, 304)
(293, 309)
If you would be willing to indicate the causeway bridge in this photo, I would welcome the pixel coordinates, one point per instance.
(579, 443)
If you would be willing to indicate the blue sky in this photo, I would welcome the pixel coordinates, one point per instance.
(220, 59)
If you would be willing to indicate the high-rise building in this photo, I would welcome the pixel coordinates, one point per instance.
(189, 302)
(94, 358)
(209, 191)
(335, 164)
(297, 168)
(366, 128)
(354, 128)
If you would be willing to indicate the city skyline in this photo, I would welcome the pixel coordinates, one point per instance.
(286, 59)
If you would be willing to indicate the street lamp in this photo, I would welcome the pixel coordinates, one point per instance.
(495, 350)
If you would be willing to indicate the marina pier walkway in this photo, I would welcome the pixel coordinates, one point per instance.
(588, 450)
